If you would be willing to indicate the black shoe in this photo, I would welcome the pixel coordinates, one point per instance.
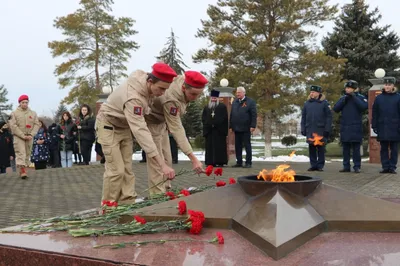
(311, 169)
(247, 166)
(142, 161)
(237, 165)
(175, 162)
(384, 171)
(357, 171)
(392, 171)
(345, 171)
(319, 170)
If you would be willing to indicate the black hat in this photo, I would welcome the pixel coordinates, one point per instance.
(389, 80)
(351, 84)
(214, 93)
(316, 88)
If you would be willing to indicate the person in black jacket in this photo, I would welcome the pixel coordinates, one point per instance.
(316, 125)
(54, 147)
(67, 134)
(386, 124)
(86, 133)
(243, 121)
(7, 153)
(352, 105)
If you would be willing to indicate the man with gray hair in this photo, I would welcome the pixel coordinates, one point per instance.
(243, 122)
(215, 131)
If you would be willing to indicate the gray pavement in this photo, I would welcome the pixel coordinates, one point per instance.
(53, 192)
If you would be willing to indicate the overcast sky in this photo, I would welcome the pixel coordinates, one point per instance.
(26, 65)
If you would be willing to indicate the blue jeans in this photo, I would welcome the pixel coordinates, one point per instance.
(66, 159)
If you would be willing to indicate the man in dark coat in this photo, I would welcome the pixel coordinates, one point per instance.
(7, 153)
(386, 124)
(316, 125)
(352, 105)
(243, 121)
(55, 160)
(215, 131)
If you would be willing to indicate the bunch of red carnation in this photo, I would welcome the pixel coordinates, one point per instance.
(196, 220)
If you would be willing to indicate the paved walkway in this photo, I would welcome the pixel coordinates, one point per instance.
(54, 192)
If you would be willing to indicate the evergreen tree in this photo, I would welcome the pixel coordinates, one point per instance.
(171, 55)
(97, 46)
(266, 46)
(4, 105)
(60, 110)
(366, 45)
(192, 120)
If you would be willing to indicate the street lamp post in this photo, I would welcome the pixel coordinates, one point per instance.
(226, 96)
(375, 90)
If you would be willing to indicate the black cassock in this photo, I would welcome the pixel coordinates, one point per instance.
(215, 131)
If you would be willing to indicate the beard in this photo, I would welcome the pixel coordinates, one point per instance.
(212, 105)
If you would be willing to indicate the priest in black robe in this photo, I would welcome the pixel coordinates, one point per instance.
(215, 131)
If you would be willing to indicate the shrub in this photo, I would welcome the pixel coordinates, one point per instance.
(289, 141)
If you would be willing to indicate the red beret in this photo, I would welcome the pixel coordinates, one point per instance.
(163, 72)
(195, 79)
(23, 98)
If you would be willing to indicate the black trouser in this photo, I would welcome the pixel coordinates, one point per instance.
(40, 165)
(143, 156)
(174, 149)
(86, 150)
(389, 163)
(3, 169)
(347, 146)
(55, 157)
(240, 139)
(317, 156)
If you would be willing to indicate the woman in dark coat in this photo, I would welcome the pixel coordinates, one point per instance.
(86, 133)
(67, 133)
(7, 153)
(40, 150)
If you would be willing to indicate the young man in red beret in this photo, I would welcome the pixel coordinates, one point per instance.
(166, 111)
(120, 117)
(24, 125)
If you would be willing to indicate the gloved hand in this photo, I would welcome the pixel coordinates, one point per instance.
(375, 130)
(303, 133)
(326, 134)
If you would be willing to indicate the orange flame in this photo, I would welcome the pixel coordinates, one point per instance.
(292, 154)
(317, 140)
(279, 174)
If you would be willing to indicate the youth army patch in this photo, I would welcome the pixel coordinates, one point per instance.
(173, 111)
(137, 110)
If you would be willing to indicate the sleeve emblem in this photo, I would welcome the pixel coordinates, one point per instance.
(173, 111)
(137, 110)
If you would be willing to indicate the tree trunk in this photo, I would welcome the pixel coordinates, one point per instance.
(267, 134)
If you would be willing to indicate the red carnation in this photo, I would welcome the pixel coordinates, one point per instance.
(28, 126)
(209, 170)
(218, 172)
(182, 207)
(109, 203)
(232, 181)
(139, 219)
(30, 117)
(220, 183)
(220, 238)
(63, 127)
(185, 192)
(196, 227)
(171, 195)
(197, 219)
